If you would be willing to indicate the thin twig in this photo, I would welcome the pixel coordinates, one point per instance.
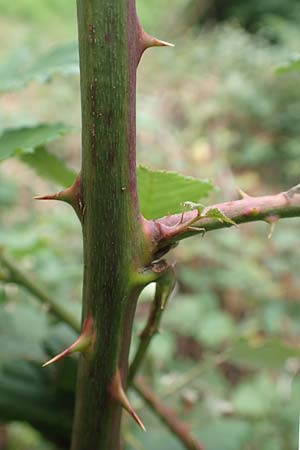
(17, 276)
(189, 376)
(179, 429)
(164, 287)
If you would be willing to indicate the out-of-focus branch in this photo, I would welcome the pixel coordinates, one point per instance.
(17, 276)
(195, 372)
(164, 287)
(167, 416)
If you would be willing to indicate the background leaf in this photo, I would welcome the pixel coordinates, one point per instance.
(162, 193)
(271, 354)
(16, 141)
(291, 66)
(18, 71)
(49, 166)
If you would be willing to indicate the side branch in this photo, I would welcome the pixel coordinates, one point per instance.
(164, 287)
(17, 276)
(179, 429)
(170, 229)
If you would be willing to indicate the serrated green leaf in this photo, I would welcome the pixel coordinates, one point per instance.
(49, 166)
(18, 71)
(215, 213)
(17, 141)
(162, 193)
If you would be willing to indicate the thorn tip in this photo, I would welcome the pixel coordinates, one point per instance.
(80, 345)
(46, 197)
(118, 394)
(150, 41)
(138, 420)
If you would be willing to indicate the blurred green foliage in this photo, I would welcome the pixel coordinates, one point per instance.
(252, 15)
(216, 107)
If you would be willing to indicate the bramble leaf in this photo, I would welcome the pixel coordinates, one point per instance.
(18, 141)
(162, 193)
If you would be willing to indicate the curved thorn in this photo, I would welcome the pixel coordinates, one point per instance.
(70, 195)
(58, 357)
(118, 394)
(138, 420)
(80, 345)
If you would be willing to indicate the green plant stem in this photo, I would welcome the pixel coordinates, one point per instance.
(179, 429)
(173, 424)
(16, 275)
(114, 252)
(164, 288)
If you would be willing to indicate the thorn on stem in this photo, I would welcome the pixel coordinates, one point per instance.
(80, 345)
(150, 41)
(118, 394)
(242, 193)
(202, 231)
(48, 197)
(71, 195)
(272, 221)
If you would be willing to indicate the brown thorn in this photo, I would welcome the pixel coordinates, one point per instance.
(242, 193)
(58, 357)
(80, 345)
(138, 420)
(147, 41)
(150, 41)
(118, 394)
(70, 195)
(47, 197)
(272, 229)
(198, 230)
(272, 221)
